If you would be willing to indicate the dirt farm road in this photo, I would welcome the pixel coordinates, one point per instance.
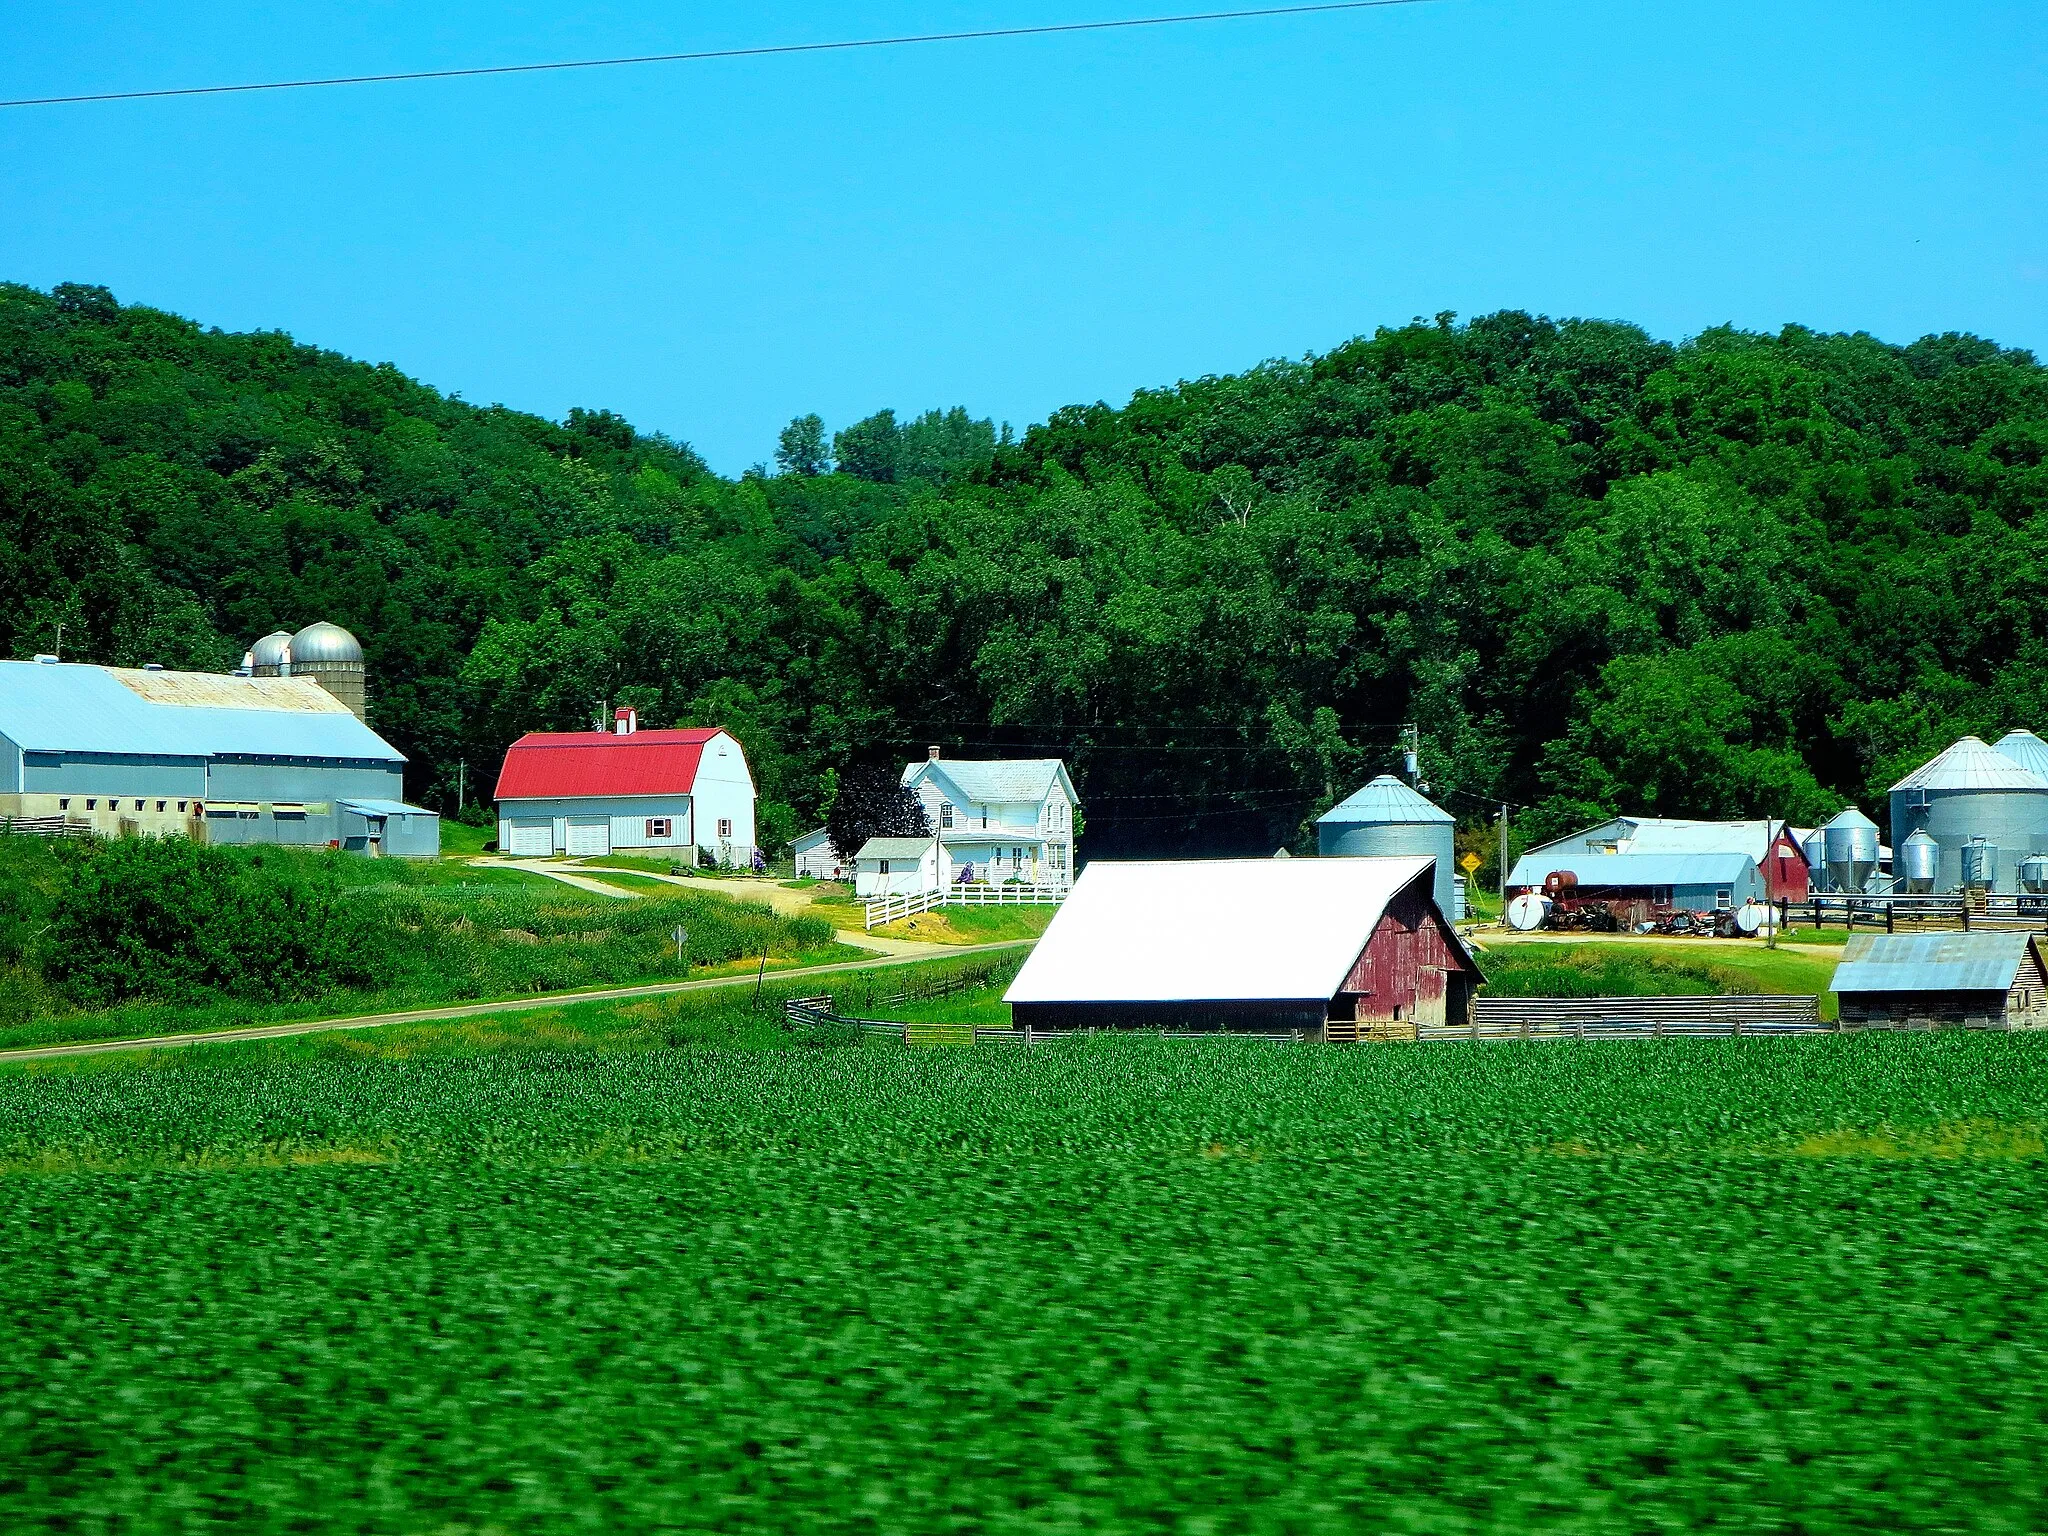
(511, 1005)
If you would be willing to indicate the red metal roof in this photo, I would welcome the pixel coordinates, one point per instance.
(547, 766)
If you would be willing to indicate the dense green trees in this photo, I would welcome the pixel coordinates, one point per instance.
(1746, 574)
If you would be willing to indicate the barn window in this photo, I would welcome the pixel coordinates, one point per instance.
(92, 805)
(1724, 899)
(725, 826)
(661, 826)
(64, 805)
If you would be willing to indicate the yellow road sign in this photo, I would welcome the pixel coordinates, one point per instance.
(1469, 863)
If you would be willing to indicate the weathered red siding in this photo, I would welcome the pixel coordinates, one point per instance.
(1784, 868)
(1409, 937)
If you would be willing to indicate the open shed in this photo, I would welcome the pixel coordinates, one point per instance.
(1985, 980)
(1328, 948)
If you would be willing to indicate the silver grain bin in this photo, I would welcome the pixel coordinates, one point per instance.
(2026, 749)
(1850, 845)
(268, 656)
(1919, 862)
(1980, 865)
(2033, 874)
(1387, 818)
(1815, 846)
(1973, 792)
(331, 656)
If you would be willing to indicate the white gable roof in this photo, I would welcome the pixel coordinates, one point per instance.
(1212, 929)
(1005, 781)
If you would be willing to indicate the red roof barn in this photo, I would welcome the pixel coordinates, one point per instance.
(583, 793)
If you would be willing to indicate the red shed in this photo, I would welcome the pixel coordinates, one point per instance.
(1327, 948)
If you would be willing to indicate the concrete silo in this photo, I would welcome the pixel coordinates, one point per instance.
(1388, 818)
(1972, 797)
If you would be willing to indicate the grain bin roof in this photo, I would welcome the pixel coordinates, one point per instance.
(69, 707)
(2026, 749)
(1213, 930)
(1386, 798)
(1930, 962)
(1969, 764)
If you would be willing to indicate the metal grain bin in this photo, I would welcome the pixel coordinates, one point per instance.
(2026, 749)
(1850, 845)
(1973, 792)
(1387, 818)
(1919, 863)
(2033, 874)
(1815, 846)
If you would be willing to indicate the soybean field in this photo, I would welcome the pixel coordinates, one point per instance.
(699, 1275)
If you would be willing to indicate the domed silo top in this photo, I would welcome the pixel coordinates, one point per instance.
(269, 654)
(1851, 818)
(324, 642)
(1970, 764)
(2026, 749)
(1386, 798)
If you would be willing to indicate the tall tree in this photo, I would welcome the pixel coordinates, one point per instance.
(800, 450)
(869, 449)
(872, 802)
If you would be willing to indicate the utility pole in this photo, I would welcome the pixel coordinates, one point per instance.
(461, 776)
(1411, 754)
(59, 652)
(1503, 861)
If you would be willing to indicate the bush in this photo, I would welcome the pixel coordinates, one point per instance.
(175, 920)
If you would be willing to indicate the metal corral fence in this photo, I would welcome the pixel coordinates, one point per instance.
(1915, 914)
(1633, 1018)
(972, 893)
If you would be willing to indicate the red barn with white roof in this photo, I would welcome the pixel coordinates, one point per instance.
(582, 793)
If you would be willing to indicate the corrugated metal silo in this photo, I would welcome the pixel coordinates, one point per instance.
(333, 658)
(2026, 749)
(1849, 843)
(1815, 846)
(1919, 864)
(1972, 792)
(1388, 818)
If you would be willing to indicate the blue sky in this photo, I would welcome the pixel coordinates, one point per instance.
(1013, 226)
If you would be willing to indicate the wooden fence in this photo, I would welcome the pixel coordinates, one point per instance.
(43, 826)
(1915, 914)
(1633, 1018)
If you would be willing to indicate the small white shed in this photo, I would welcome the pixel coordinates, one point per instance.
(815, 858)
(900, 866)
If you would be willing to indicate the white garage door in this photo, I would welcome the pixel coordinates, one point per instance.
(533, 837)
(589, 837)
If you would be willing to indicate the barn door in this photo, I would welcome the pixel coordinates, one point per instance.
(588, 838)
(1429, 996)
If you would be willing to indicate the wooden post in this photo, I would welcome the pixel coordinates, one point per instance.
(1888, 922)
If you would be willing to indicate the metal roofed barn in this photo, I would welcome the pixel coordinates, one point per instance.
(1330, 948)
(585, 793)
(226, 759)
(1987, 980)
(1978, 805)
(1388, 819)
(1639, 885)
(1777, 849)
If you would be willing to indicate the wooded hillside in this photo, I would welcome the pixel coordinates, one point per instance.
(1748, 574)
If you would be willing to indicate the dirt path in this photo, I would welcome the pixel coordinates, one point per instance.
(475, 1010)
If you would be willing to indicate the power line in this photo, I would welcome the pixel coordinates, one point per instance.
(706, 55)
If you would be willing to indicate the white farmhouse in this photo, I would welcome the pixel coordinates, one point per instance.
(592, 792)
(900, 866)
(1003, 820)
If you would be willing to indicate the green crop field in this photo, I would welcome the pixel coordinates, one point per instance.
(669, 1268)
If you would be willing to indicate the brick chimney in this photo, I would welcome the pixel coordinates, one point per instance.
(931, 754)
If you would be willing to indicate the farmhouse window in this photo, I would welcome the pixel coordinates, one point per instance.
(885, 866)
(725, 826)
(661, 826)
(946, 815)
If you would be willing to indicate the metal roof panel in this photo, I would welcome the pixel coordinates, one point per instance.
(1386, 799)
(1602, 869)
(1969, 764)
(574, 765)
(1930, 962)
(74, 707)
(1212, 929)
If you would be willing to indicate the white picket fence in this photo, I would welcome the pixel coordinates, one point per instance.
(972, 893)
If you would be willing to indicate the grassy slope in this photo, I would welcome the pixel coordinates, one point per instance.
(383, 1283)
(969, 925)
